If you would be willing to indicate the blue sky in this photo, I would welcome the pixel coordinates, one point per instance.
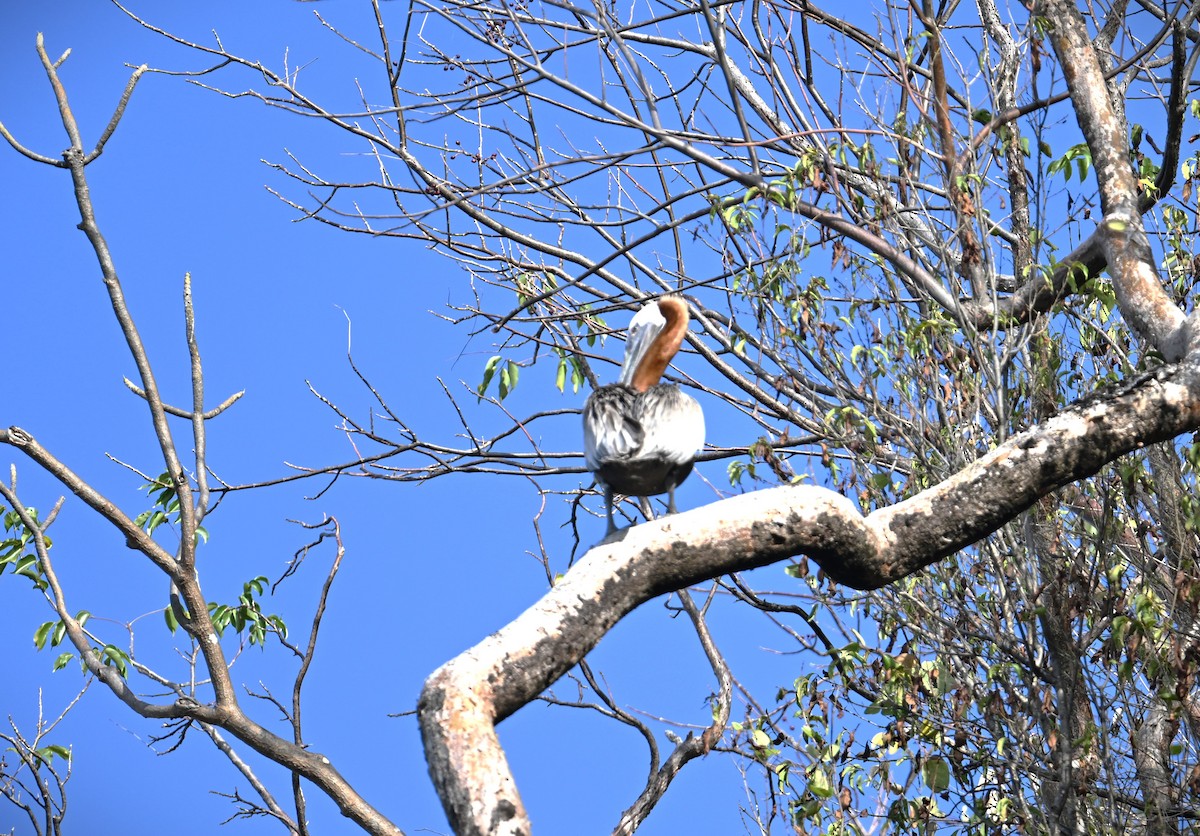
(429, 569)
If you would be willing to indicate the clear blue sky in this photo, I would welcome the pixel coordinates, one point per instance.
(429, 570)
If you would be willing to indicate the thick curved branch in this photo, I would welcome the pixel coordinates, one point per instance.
(1140, 294)
(464, 699)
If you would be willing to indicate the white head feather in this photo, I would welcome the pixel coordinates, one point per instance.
(643, 328)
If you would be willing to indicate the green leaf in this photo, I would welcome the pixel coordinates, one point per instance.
(62, 660)
(41, 633)
(113, 656)
(219, 613)
(508, 378)
(560, 378)
(935, 772)
(489, 371)
(818, 784)
(48, 753)
(29, 566)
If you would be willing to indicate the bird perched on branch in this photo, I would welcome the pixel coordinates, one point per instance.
(640, 437)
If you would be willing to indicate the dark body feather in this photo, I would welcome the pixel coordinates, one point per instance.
(624, 454)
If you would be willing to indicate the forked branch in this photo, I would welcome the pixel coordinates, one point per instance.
(224, 711)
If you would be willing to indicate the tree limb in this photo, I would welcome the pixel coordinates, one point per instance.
(464, 699)
(1144, 303)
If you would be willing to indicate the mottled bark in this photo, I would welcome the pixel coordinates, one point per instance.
(1073, 761)
(1143, 301)
(1005, 87)
(1151, 753)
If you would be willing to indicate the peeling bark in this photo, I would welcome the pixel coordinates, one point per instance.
(464, 699)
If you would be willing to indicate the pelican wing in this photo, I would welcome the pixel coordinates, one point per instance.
(610, 430)
(673, 422)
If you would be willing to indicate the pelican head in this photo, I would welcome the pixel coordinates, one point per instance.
(655, 334)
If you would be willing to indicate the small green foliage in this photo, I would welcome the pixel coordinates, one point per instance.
(568, 365)
(1078, 154)
(850, 418)
(17, 547)
(739, 216)
(52, 633)
(508, 378)
(30, 567)
(1042, 25)
(489, 371)
(529, 286)
(818, 783)
(935, 772)
(505, 372)
(166, 503)
(48, 753)
(41, 634)
(245, 617)
(115, 657)
(737, 469)
(165, 508)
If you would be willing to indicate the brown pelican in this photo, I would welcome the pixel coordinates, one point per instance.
(640, 437)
